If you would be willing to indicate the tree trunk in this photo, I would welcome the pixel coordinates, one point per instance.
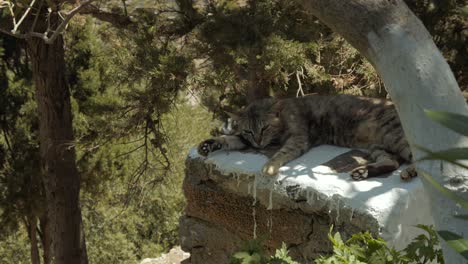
(84, 251)
(417, 77)
(257, 88)
(32, 227)
(61, 178)
(45, 239)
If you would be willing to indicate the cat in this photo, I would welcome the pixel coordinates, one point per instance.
(295, 125)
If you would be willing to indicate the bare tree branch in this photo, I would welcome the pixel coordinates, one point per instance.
(67, 19)
(36, 17)
(23, 36)
(113, 18)
(125, 7)
(45, 36)
(12, 13)
(300, 74)
(23, 17)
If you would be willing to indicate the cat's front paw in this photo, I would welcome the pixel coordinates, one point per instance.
(270, 168)
(408, 173)
(208, 146)
(360, 173)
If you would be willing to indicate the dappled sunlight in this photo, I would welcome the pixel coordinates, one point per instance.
(385, 197)
(236, 161)
(240, 162)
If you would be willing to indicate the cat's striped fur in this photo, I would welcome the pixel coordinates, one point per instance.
(297, 124)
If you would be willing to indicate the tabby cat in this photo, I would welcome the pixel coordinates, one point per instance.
(295, 125)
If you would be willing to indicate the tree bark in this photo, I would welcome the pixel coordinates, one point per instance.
(84, 251)
(61, 178)
(257, 88)
(45, 239)
(32, 227)
(417, 77)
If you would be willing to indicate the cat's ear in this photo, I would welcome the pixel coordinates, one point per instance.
(277, 107)
(232, 115)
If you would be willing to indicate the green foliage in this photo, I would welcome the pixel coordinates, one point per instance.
(127, 215)
(282, 256)
(21, 192)
(246, 258)
(360, 248)
(253, 253)
(255, 48)
(269, 45)
(15, 248)
(146, 225)
(463, 11)
(425, 248)
(363, 248)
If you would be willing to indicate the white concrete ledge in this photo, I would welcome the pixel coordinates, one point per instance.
(386, 203)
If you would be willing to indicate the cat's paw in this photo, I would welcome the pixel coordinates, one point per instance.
(408, 173)
(359, 173)
(270, 168)
(208, 146)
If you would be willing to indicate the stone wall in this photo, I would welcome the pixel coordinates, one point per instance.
(229, 202)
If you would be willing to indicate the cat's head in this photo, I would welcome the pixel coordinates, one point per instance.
(259, 123)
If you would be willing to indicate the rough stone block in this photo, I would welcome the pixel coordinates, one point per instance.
(229, 201)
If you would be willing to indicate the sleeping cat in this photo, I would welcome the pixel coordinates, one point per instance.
(295, 125)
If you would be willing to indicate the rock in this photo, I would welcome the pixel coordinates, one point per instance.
(174, 256)
(229, 202)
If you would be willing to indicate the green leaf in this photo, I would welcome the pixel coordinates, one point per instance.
(463, 203)
(456, 242)
(455, 122)
(464, 217)
(255, 258)
(450, 154)
(463, 11)
(282, 256)
(241, 255)
(440, 156)
(337, 239)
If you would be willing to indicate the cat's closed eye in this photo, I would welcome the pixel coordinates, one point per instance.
(247, 132)
(265, 128)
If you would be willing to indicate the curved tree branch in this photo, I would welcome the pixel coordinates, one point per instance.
(65, 21)
(117, 20)
(417, 77)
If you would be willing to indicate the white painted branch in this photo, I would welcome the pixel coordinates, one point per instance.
(48, 40)
(299, 74)
(417, 77)
(16, 26)
(12, 13)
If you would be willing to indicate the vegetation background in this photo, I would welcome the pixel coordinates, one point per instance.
(146, 89)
